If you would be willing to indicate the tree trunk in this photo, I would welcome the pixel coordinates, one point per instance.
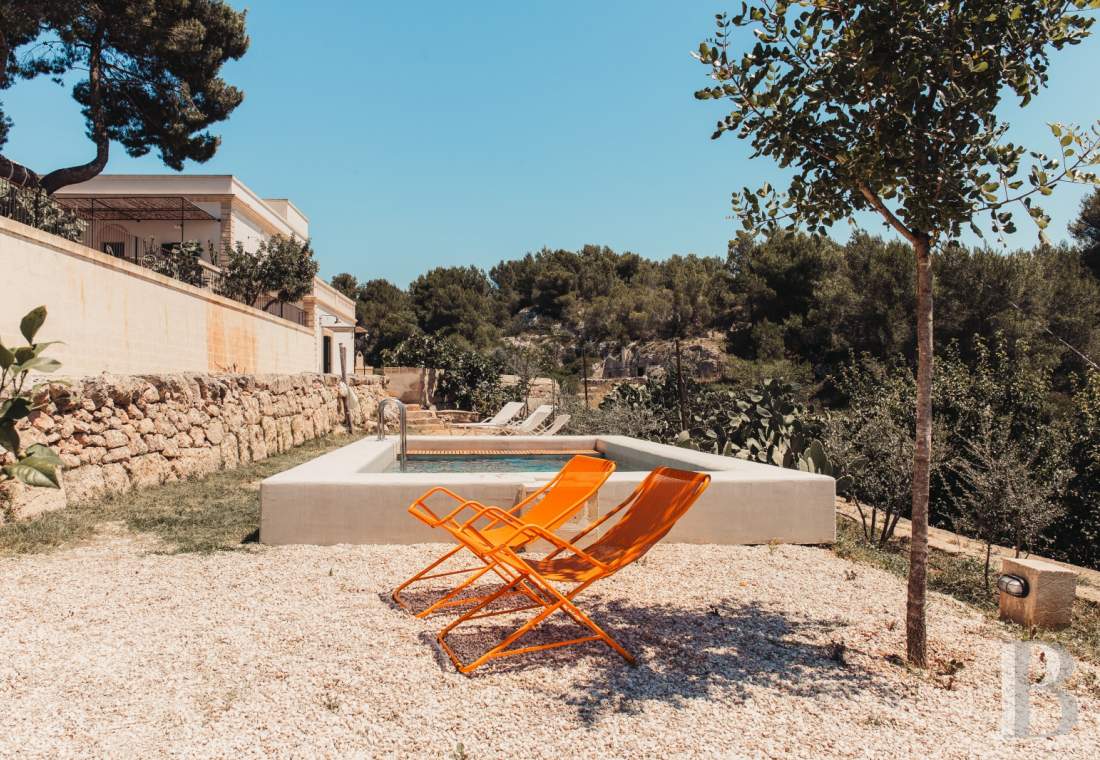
(71, 175)
(680, 386)
(17, 174)
(584, 369)
(916, 633)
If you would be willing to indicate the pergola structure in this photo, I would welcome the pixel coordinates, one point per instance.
(145, 208)
(104, 213)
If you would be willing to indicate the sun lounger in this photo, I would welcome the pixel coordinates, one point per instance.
(531, 425)
(553, 582)
(549, 507)
(554, 427)
(506, 414)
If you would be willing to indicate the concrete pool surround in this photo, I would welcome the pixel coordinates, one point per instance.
(346, 497)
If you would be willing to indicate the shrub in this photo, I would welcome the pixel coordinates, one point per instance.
(469, 380)
(36, 208)
(872, 444)
(634, 420)
(1075, 536)
(182, 263)
(765, 424)
(1001, 492)
(36, 465)
(282, 268)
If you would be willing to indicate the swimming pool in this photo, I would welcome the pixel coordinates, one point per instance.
(481, 463)
(357, 495)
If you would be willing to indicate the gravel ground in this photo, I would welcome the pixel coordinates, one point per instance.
(109, 649)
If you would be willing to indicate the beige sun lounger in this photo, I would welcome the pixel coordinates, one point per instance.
(506, 414)
(532, 424)
(559, 422)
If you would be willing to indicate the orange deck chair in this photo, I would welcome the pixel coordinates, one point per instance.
(646, 517)
(484, 528)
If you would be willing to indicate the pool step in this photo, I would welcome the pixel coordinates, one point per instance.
(423, 421)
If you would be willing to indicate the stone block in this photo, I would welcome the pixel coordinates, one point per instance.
(115, 478)
(215, 432)
(115, 438)
(27, 502)
(1051, 591)
(119, 454)
(148, 470)
(83, 484)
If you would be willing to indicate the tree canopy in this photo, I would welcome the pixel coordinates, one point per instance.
(346, 284)
(387, 313)
(891, 108)
(1086, 230)
(149, 72)
(281, 268)
(456, 302)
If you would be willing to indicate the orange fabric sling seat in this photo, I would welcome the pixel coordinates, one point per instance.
(644, 518)
(478, 528)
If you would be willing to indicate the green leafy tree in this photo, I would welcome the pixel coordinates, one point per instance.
(281, 269)
(467, 380)
(1076, 535)
(774, 282)
(892, 108)
(1042, 299)
(1086, 231)
(181, 262)
(149, 72)
(346, 284)
(387, 313)
(35, 465)
(456, 302)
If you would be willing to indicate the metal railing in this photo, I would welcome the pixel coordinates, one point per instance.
(403, 427)
(288, 311)
(36, 209)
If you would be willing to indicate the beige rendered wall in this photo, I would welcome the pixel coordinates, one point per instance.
(333, 315)
(114, 316)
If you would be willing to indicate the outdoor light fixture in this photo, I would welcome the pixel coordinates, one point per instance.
(1013, 585)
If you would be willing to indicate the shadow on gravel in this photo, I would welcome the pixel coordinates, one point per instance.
(725, 652)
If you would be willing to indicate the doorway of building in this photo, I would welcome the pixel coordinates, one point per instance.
(326, 355)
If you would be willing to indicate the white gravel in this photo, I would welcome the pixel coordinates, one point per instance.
(110, 650)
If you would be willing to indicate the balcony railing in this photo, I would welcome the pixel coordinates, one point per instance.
(36, 209)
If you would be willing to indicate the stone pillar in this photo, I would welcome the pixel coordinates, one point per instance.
(1051, 591)
(226, 241)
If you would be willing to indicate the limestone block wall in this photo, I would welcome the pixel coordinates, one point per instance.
(115, 316)
(116, 433)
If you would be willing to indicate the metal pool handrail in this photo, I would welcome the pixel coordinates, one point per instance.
(402, 425)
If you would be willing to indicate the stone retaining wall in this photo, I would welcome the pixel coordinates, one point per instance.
(116, 433)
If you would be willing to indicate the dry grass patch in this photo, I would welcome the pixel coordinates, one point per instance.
(221, 511)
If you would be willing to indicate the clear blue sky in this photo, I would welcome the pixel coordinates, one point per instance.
(437, 133)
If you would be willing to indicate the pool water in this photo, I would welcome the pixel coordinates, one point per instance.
(481, 463)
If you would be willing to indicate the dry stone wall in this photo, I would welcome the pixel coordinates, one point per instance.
(115, 433)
